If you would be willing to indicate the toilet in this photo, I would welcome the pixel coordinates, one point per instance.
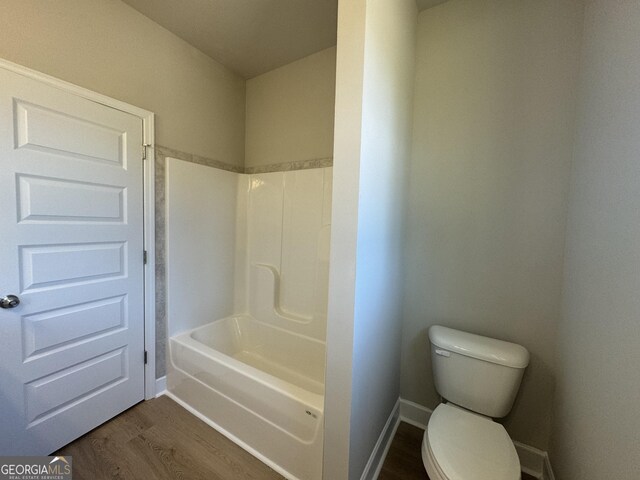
(478, 379)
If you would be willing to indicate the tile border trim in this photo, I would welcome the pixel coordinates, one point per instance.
(164, 152)
(161, 154)
(289, 166)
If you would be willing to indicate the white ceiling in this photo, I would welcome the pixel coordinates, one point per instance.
(249, 37)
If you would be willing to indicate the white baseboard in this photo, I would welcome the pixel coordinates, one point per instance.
(532, 461)
(414, 414)
(547, 472)
(379, 453)
(161, 386)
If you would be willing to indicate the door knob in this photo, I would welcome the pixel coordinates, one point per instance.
(10, 301)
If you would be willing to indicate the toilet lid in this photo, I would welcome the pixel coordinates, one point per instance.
(469, 446)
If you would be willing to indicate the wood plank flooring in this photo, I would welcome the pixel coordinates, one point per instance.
(404, 460)
(158, 439)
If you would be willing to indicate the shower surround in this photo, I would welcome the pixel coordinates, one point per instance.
(247, 330)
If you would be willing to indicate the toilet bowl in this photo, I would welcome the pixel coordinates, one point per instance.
(462, 445)
(478, 378)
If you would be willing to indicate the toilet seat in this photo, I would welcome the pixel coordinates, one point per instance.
(462, 445)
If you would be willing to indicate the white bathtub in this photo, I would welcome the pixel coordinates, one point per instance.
(261, 386)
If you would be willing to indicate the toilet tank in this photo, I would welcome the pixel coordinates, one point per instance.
(478, 373)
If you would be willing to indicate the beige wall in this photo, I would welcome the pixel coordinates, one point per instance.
(375, 73)
(290, 111)
(108, 47)
(492, 143)
(596, 424)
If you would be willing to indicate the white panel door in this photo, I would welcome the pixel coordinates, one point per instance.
(71, 243)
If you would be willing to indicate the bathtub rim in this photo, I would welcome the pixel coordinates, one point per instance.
(288, 389)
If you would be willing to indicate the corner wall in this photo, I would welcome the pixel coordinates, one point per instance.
(375, 62)
(492, 146)
(596, 425)
(109, 47)
(290, 114)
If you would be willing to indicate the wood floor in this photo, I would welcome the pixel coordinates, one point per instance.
(158, 439)
(404, 460)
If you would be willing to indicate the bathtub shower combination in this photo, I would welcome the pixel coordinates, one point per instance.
(247, 330)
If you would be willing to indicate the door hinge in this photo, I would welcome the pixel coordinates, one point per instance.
(146, 357)
(144, 150)
(144, 257)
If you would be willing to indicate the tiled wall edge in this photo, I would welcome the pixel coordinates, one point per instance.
(161, 258)
(188, 157)
(161, 154)
(164, 152)
(288, 166)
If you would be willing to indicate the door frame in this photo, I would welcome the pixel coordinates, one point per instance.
(149, 242)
